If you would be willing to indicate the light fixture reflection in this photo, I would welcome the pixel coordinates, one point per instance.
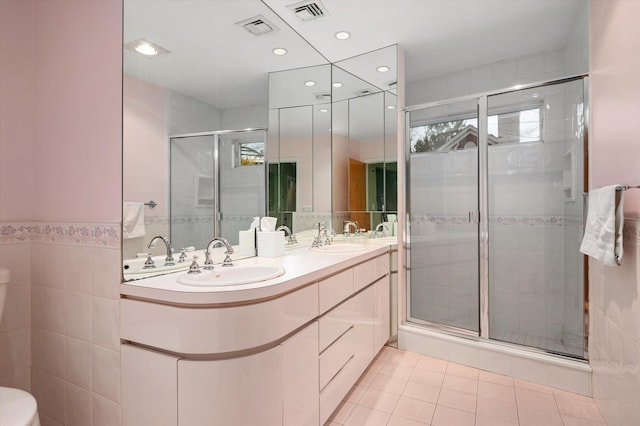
(337, 84)
(391, 107)
(382, 68)
(279, 51)
(145, 48)
(342, 35)
(309, 83)
(323, 110)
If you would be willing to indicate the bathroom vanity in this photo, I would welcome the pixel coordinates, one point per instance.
(279, 352)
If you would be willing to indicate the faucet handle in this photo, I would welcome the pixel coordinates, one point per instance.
(227, 260)
(194, 268)
(169, 260)
(183, 255)
(149, 263)
(208, 263)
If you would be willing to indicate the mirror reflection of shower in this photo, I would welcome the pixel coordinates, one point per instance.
(217, 184)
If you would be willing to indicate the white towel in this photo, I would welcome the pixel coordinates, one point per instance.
(603, 231)
(132, 220)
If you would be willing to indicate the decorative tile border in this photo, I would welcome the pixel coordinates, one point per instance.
(502, 220)
(80, 234)
(156, 221)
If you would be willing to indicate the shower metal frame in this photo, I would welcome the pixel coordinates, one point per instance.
(483, 208)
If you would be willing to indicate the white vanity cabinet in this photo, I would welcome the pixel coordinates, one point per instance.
(283, 360)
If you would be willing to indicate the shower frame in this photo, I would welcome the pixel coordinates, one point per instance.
(483, 210)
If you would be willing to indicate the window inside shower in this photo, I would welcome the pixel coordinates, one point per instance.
(490, 222)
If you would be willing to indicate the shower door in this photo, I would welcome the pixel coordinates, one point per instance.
(241, 178)
(495, 203)
(443, 211)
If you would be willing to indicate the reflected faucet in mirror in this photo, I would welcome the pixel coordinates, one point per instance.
(168, 261)
(291, 239)
(208, 263)
(349, 223)
(380, 231)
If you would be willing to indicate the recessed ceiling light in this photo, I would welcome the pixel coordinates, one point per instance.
(145, 47)
(382, 68)
(337, 84)
(279, 51)
(342, 35)
(535, 95)
(391, 107)
(323, 110)
(309, 83)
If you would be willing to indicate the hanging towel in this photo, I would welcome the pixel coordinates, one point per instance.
(132, 220)
(603, 231)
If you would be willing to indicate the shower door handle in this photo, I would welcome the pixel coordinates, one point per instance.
(474, 217)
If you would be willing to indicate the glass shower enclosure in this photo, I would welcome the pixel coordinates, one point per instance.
(495, 202)
(217, 185)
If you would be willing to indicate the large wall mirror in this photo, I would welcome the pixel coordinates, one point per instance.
(195, 120)
(364, 111)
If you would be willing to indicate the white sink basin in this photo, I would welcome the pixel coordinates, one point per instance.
(233, 275)
(339, 248)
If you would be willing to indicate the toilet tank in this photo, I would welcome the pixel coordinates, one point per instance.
(5, 277)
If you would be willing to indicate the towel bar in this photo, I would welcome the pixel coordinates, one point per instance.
(625, 187)
(151, 204)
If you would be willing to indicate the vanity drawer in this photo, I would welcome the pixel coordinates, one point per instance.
(335, 289)
(365, 274)
(336, 390)
(335, 357)
(334, 323)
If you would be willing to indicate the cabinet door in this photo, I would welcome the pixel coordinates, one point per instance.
(238, 391)
(149, 388)
(301, 394)
(381, 314)
(363, 340)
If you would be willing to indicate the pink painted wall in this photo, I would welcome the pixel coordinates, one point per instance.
(16, 110)
(78, 80)
(615, 93)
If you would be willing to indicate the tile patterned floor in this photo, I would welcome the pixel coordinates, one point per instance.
(403, 389)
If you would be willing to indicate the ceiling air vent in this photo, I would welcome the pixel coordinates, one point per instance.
(258, 25)
(323, 96)
(363, 92)
(392, 84)
(308, 9)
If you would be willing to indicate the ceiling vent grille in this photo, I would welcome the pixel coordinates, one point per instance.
(362, 92)
(258, 25)
(323, 97)
(308, 10)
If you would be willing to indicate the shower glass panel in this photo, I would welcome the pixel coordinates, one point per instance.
(536, 169)
(242, 181)
(192, 189)
(443, 205)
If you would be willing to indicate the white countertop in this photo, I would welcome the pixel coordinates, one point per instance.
(302, 266)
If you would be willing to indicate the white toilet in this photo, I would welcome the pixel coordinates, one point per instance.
(17, 407)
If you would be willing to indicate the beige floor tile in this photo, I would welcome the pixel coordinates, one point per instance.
(575, 421)
(458, 400)
(578, 408)
(427, 377)
(460, 384)
(488, 421)
(363, 416)
(462, 371)
(536, 400)
(497, 409)
(422, 392)
(355, 394)
(403, 357)
(563, 393)
(497, 391)
(445, 416)
(523, 384)
(415, 409)
(400, 371)
(487, 376)
(403, 421)
(528, 416)
(388, 384)
(343, 412)
(379, 400)
(432, 364)
(366, 379)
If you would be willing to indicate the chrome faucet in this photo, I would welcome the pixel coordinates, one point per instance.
(317, 242)
(346, 228)
(208, 263)
(168, 261)
(377, 230)
(287, 232)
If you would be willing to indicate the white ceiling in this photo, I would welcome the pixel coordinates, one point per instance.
(219, 63)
